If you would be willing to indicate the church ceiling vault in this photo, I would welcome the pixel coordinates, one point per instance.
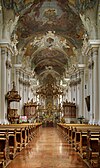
(49, 32)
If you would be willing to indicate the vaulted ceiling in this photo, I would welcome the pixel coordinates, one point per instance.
(49, 32)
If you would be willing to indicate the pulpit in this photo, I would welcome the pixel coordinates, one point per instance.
(12, 96)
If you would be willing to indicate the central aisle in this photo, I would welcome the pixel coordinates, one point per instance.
(49, 150)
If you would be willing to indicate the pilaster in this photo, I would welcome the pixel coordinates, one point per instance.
(17, 75)
(8, 71)
(6, 52)
(81, 90)
(91, 50)
(91, 86)
(99, 81)
(3, 109)
(94, 48)
(0, 83)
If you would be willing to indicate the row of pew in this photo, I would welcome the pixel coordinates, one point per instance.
(85, 139)
(13, 138)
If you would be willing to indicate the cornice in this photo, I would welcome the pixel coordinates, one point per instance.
(19, 68)
(81, 66)
(7, 45)
(94, 43)
(90, 45)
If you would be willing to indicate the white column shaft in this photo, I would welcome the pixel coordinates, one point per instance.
(96, 85)
(3, 84)
(99, 80)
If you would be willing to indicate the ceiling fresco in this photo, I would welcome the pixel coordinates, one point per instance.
(49, 32)
(51, 16)
(21, 6)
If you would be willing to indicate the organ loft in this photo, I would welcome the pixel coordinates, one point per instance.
(49, 83)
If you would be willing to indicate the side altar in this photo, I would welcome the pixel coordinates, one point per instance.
(69, 111)
(30, 110)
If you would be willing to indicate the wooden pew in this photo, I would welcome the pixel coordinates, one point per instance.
(12, 141)
(71, 132)
(68, 130)
(24, 133)
(64, 130)
(4, 150)
(32, 130)
(13, 138)
(87, 147)
(80, 140)
(77, 135)
(73, 138)
(93, 148)
(19, 139)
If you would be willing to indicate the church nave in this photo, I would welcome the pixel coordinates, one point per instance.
(48, 150)
(49, 83)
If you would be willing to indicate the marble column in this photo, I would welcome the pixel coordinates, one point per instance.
(24, 88)
(69, 93)
(72, 88)
(17, 88)
(8, 71)
(0, 84)
(81, 90)
(95, 51)
(91, 87)
(3, 109)
(96, 86)
(29, 91)
(77, 101)
(21, 91)
(77, 96)
(99, 80)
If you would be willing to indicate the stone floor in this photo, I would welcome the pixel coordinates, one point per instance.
(49, 150)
